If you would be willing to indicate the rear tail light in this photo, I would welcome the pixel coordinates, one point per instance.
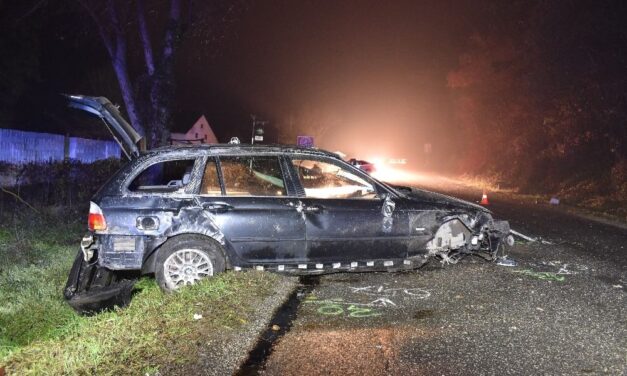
(96, 220)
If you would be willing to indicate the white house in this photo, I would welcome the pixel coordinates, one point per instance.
(199, 133)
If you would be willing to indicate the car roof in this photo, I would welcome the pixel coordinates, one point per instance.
(218, 149)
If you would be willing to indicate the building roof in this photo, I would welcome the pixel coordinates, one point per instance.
(199, 131)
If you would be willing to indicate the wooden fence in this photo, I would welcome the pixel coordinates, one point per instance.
(19, 147)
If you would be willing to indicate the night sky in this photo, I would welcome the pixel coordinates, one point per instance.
(366, 64)
(484, 82)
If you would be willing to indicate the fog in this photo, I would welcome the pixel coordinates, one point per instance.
(364, 78)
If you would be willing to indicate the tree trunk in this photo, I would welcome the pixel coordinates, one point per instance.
(119, 66)
(162, 90)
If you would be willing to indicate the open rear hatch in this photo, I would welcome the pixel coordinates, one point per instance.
(120, 129)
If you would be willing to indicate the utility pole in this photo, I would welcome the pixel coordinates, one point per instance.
(257, 133)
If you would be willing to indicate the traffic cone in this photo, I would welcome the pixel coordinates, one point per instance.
(484, 199)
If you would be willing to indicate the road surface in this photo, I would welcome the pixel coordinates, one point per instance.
(561, 311)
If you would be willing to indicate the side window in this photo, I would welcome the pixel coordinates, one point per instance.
(326, 180)
(210, 182)
(164, 177)
(252, 176)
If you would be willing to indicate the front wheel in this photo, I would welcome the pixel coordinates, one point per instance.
(186, 259)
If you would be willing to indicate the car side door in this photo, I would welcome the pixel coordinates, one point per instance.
(251, 203)
(347, 217)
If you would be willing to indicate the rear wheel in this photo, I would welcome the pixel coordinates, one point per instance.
(186, 259)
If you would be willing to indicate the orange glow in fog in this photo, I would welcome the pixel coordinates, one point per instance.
(396, 174)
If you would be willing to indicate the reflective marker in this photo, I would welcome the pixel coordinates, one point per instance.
(318, 266)
(281, 268)
(388, 263)
(370, 263)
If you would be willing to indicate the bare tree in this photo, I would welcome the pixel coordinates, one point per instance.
(148, 93)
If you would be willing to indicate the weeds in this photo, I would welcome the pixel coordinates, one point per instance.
(40, 334)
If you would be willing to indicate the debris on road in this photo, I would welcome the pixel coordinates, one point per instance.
(506, 261)
(545, 276)
(529, 238)
(564, 270)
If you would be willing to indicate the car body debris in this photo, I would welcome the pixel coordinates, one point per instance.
(506, 261)
(529, 238)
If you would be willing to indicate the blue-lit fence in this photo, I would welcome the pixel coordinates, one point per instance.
(19, 147)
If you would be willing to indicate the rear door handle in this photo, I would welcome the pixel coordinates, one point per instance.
(313, 209)
(218, 207)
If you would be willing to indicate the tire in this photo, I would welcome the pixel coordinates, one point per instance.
(185, 259)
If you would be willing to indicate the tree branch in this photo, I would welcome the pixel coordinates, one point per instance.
(32, 10)
(145, 37)
(113, 16)
(20, 199)
(106, 39)
(172, 28)
(120, 67)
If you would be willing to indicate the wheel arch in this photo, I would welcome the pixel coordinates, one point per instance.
(148, 266)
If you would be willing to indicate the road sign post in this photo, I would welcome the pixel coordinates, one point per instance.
(305, 141)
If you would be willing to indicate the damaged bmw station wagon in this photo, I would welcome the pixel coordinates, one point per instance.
(183, 213)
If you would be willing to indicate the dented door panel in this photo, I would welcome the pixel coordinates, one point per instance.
(354, 229)
(260, 229)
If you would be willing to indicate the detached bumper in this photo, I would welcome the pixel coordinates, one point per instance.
(91, 288)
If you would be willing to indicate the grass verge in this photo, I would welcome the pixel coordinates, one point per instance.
(586, 197)
(40, 334)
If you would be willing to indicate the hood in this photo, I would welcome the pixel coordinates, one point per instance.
(122, 132)
(438, 199)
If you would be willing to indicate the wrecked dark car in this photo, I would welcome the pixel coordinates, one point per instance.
(189, 212)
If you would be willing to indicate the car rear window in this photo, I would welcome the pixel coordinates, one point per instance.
(163, 177)
(252, 176)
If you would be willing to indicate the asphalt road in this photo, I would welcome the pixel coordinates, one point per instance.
(561, 311)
